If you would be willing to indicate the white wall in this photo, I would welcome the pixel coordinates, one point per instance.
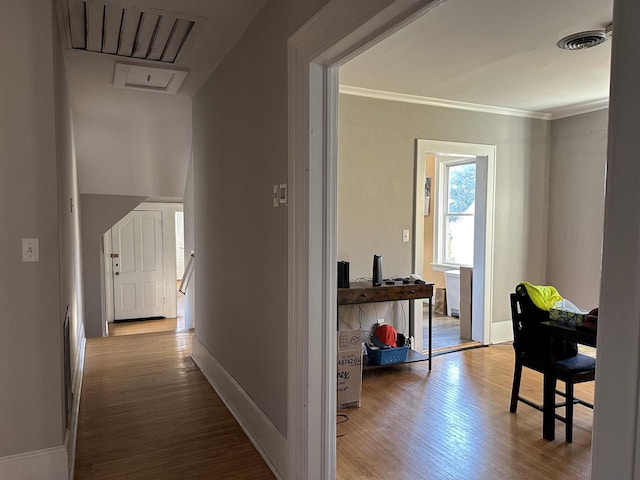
(189, 245)
(576, 206)
(98, 214)
(68, 210)
(240, 150)
(31, 411)
(376, 178)
(128, 142)
(71, 295)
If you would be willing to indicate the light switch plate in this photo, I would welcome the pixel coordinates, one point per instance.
(405, 236)
(30, 250)
(284, 193)
(276, 201)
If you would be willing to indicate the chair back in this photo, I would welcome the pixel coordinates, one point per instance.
(528, 338)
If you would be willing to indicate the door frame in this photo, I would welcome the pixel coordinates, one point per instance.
(482, 298)
(324, 40)
(169, 261)
(341, 30)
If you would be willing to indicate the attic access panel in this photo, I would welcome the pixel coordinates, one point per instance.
(126, 31)
(149, 78)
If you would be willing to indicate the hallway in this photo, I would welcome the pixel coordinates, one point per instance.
(146, 411)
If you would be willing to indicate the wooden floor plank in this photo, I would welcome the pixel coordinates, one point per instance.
(147, 412)
(454, 423)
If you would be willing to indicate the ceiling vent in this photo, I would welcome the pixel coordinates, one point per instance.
(145, 34)
(588, 39)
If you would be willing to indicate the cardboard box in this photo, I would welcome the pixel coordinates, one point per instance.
(349, 380)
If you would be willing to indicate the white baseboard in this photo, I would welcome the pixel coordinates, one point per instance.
(46, 464)
(76, 388)
(269, 442)
(501, 332)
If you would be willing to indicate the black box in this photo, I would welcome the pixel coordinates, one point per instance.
(343, 274)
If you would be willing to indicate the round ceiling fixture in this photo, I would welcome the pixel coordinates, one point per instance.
(588, 39)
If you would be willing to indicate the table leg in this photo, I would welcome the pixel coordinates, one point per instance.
(548, 405)
(412, 320)
(430, 330)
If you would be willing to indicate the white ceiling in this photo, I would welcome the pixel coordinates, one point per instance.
(493, 52)
(132, 142)
(489, 52)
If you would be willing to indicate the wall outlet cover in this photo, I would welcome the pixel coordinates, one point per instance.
(30, 250)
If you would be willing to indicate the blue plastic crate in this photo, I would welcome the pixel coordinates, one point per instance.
(386, 356)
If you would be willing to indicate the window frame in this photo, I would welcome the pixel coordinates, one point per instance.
(441, 210)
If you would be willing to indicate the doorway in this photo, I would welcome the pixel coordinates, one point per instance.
(145, 243)
(454, 188)
(316, 109)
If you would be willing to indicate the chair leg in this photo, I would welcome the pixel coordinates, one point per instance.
(515, 389)
(569, 412)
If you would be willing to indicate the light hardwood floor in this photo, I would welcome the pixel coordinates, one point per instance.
(454, 423)
(446, 334)
(144, 326)
(146, 412)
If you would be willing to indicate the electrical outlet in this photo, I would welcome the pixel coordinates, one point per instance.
(380, 321)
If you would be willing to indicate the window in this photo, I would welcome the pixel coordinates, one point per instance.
(457, 186)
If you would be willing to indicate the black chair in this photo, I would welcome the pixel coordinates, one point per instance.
(534, 350)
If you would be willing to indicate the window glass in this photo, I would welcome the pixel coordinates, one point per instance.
(459, 240)
(458, 219)
(461, 188)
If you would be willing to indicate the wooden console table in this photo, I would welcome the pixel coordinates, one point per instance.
(365, 292)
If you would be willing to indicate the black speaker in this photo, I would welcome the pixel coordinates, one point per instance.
(343, 274)
(377, 271)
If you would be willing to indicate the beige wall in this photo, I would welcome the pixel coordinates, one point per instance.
(239, 151)
(576, 206)
(375, 186)
(98, 213)
(31, 411)
(429, 221)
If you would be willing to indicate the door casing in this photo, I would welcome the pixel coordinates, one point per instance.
(169, 249)
(482, 295)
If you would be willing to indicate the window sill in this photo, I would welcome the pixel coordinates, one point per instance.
(445, 267)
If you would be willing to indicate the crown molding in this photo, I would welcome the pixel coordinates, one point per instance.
(439, 102)
(580, 108)
(562, 112)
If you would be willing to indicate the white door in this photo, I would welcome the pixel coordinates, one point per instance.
(138, 288)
